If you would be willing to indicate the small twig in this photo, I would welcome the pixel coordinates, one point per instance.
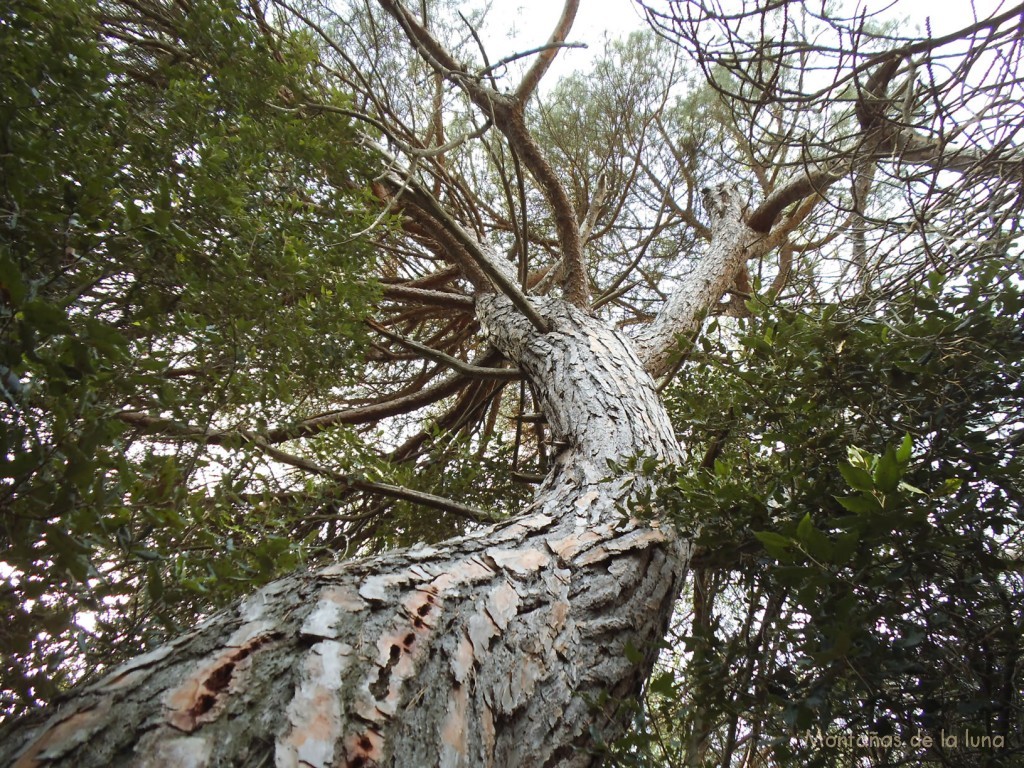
(523, 54)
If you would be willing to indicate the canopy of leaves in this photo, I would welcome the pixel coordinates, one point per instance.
(856, 495)
(175, 239)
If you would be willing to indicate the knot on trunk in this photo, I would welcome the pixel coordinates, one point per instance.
(723, 201)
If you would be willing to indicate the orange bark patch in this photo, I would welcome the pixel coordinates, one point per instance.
(596, 555)
(462, 661)
(487, 727)
(203, 695)
(74, 727)
(558, 613)
(315, 711)
(345, 597)
(420, 607)
(455, 729)
(502, 604)
(363, 750)
(376, 587)
(397, 654)
(481, 629)
(462, 572)
(521, 562)
(570, 546)
(639, 539)
(323, 619)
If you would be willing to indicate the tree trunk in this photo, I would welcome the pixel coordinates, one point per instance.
(506, 647)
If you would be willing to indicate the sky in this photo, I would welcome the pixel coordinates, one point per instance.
(518, 25)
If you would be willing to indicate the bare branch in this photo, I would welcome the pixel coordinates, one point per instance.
(357, 483)
(532, 78)
(365, 414)
(524, 54)
(557, 270)
(347, 480)
(433, 298)
(466, 369)
(509, 117)
(486, 261)
(733, 242)
(813, 182)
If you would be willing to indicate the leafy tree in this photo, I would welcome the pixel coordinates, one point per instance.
(849, 584)
(287, 284)
(171, 243)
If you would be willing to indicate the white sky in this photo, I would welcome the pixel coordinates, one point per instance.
(518, 25)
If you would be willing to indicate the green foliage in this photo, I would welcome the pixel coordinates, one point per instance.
(175, 238)
(857, 504)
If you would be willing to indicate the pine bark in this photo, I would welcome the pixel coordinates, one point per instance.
(511, 646)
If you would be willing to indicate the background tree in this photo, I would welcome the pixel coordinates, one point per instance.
(555, 241)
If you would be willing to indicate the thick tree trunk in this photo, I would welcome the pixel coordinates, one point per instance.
(494, 649)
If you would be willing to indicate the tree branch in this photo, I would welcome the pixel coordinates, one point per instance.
(364, 414)
(508, 116)
(540, 67)
(432, 298)
(466, 369)
(489, 68)
(488, 264)
(348, 480)
(733, 242)
(810, 183)
(367, 414)
(353, 481)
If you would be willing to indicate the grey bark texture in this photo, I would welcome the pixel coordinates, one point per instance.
(733, 243)
(502, 648)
